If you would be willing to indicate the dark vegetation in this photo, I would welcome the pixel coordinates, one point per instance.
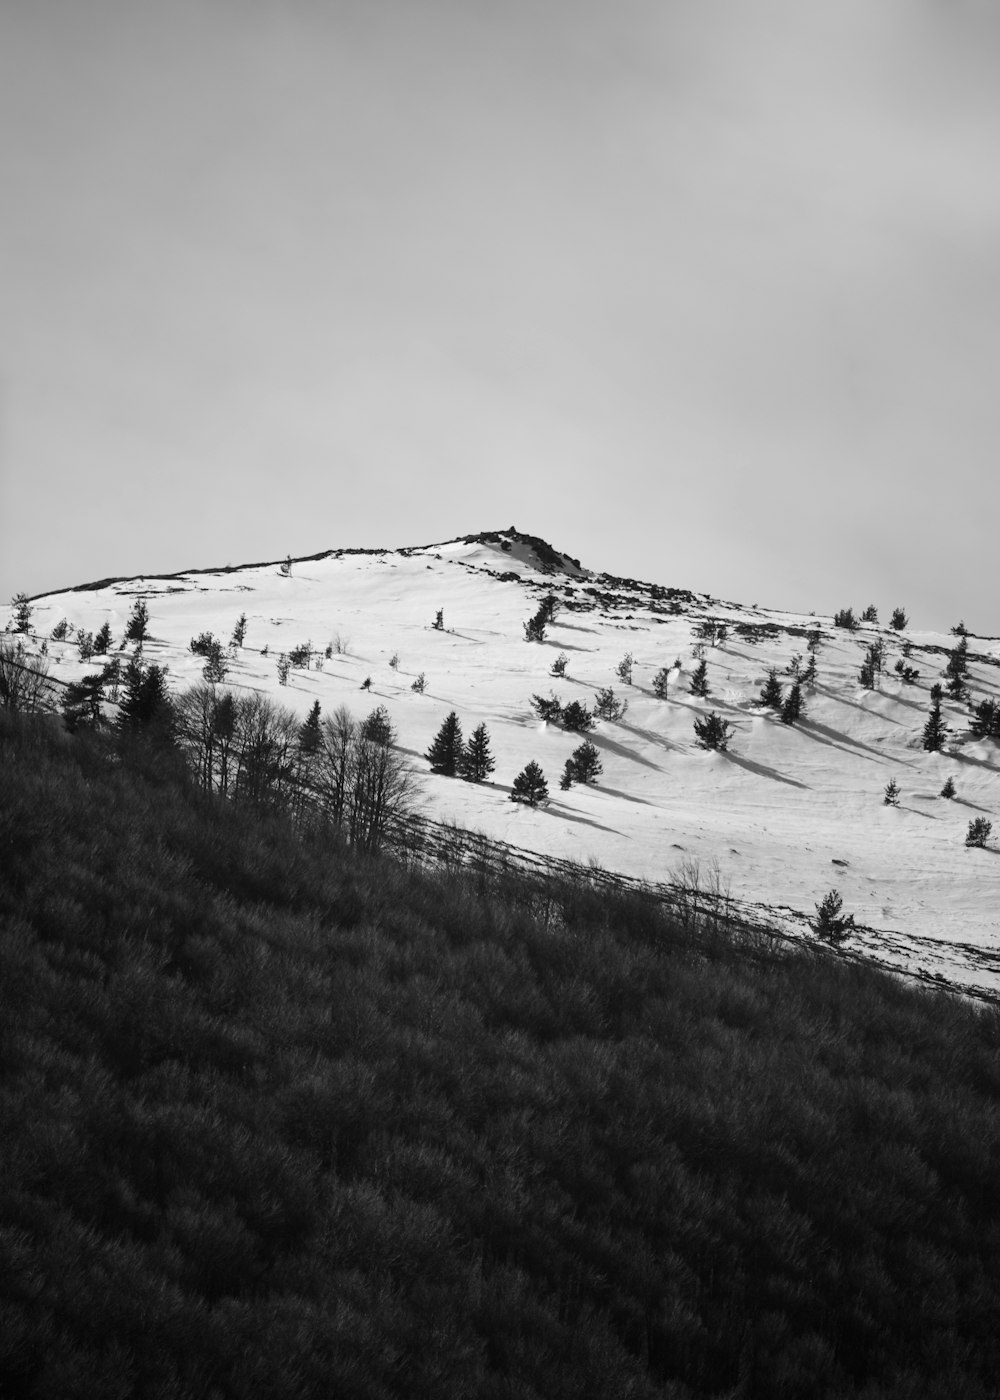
(283, 1118)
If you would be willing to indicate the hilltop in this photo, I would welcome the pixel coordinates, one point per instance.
(787, 813)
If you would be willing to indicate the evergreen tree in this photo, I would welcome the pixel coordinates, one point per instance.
(308, 738)
(949, 788)
(477, 760)
(891, 797)
(979, 832)
(81, 702)
(867, 673)
(608, 706)
(102, 640)
(661, 682)
(809, 674)
(586, 763)
(870, 613)
(624, 668)
(239, 631)
(577, 718)
(22, 612)
(548, 708)
(530, 786)
(935, 728)
(791, 708)
(137, 627)
(985, 721)
(85, 644)
(560, 664)
(439, 620)
(712, 732)
(146, 707)
(420, 684)
(899, 619)
(770, 693)
(830, 924)
(377, 728)
(699, 680)
(845, 618)
(445, 753)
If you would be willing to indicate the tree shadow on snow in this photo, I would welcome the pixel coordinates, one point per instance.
(763, 771)
(601, 741)
(837, 739)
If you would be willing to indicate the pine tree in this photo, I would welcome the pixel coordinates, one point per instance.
(608, 706)
(712, 732)
(949, 788)
(891, 796)
(899, 619)
(830, 924)
(377, 728)
(420, 684)
(439, 620)
(809, 674)
(477, 760)
(445, 753)
(699, 680)
(103, 639)
(22, 612)
(560, 664)
(791, 708)
(586, 763)
(624, 668)
(81, 702)
(577, 718)
(935, 728)
(239, 631)
(661, 682)
(979, 832)
(770, 694)
(146, 706)
(547, 708)
(530, 786)
(308, 738)
(870, 613)
(137, 627)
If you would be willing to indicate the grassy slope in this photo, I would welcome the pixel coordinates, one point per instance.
(281, 1121)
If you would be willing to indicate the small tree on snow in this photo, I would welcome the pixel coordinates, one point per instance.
(870, 613)
(530, 786)
(935, 730)
(102, 641)
(791, 706)
(899, 619)
(829, 923)
(661, 682)
(770, 692)
(699, 680)
(137, 627)
(712, 732)
(608, 706)
(560, 664)
(547, 708)
(584, 766)
(624, 668)
(949, 788)
(420, 684)
(239, 631)
(284, 666)
(22, 612)
(439, 620)
(891, 796)
(445, 753)
(477, 761)
(577, 718)
(979, 832)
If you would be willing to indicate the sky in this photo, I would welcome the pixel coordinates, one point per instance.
(705, 292)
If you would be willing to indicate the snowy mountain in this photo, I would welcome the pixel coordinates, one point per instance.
(787, 812)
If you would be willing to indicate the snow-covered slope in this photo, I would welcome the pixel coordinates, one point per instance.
(789, 812)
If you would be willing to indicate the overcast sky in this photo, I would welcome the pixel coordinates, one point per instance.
(704, 291)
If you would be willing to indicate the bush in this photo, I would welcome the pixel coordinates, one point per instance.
(899, 619)
(979, 832)
(24, 683)
(560, 664)
(61, 630)
(870, 613)
(845, 618)
(300, 656)
(85, 644)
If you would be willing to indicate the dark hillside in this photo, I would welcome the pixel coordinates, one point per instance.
(283, 1120)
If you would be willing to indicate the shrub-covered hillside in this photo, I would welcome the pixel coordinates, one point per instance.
(283, 1120)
